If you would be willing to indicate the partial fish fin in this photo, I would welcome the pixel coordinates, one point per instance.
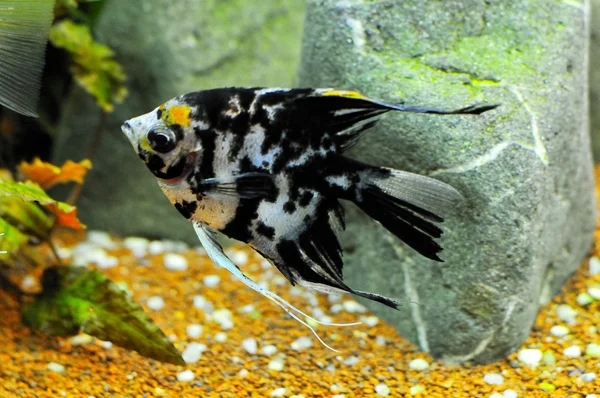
(314, 259)
(348, 114)
(408, 205)
(217, 255)
(24, 29)
(469, 110)
(245, 186)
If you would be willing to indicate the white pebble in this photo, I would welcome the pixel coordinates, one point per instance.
(414, 390)
(155, 303)
(221, 315)
(194, 330)
(510, 394)
(591, 396)
(566, 313)
(243, 373)
(28, 282)
(353, 307)
(301, 343)
(193, 352)
(278, 392)
(380, 340)
(369, 320)
(107, 345)
(594, 291)
(221, 337)
(531, 357)
(185, 376)
(339, 396)
(594, 265)
(81, 339)
(156, 247)
(137, 245)
(584, 299)
(239, 258)
(336, 308)
(382, 390)
(493, 379)
(175, 246)
(572, 352)
(351, 360)
(250, 346)
(334, 298)
(175, 262)
(418, 364)
(588, 377)
(276, 364)
(101, 239)
(96, 255)
(269, 350)
(247, 309)
(593, 350)
(559, 330)
(202, 304)
(211, 280)
(56, 367)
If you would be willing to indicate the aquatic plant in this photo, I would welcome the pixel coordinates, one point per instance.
(64, 299)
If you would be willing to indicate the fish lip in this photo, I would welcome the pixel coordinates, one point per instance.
(128, 131)
(187, 170)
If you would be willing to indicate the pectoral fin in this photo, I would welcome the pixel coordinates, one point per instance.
(245, 186)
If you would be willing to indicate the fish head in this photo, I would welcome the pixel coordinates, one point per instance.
(165, 141)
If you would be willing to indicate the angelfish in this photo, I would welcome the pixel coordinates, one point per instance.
(265, 166)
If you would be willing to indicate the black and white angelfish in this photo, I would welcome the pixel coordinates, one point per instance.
(265, 166)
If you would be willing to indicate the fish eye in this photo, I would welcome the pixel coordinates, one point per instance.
(162, 139)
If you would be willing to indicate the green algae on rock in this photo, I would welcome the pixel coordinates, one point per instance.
(168, 48)
(525, 169)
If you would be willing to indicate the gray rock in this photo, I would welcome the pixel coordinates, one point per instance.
(170, 48)
(595, 78)
(525, 169)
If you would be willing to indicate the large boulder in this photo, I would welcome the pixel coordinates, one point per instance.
(170, 48)
(525, 168)
(595, 78)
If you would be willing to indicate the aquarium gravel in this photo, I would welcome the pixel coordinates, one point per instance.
(237, 343)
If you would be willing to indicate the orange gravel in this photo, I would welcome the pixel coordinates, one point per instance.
(227, 370)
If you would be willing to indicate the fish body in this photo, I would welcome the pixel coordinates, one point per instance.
(25, 26)
(265, 166)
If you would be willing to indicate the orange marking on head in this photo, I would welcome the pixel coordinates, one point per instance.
(179, 114)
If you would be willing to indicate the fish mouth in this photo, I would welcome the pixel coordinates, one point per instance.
(179, 171)
(128, 131)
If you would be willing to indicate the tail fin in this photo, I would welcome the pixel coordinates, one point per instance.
(408, 205)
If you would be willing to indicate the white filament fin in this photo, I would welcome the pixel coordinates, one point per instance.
(218, 256)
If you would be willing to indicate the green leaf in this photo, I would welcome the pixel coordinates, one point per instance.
(10, 242)
(76, 298)
(26, 216)
(29, 191)
(94, 67)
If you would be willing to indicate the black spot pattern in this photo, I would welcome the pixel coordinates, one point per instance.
(186, 208)
(266, 231)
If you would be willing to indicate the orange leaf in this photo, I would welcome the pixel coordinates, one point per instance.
(47, 175)
(66, 215)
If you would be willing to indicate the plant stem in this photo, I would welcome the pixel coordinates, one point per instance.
(92, 150)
